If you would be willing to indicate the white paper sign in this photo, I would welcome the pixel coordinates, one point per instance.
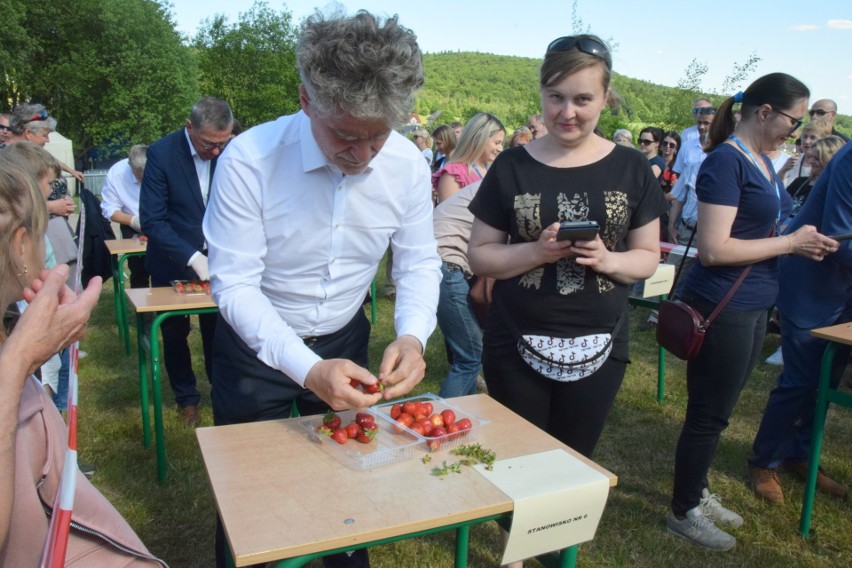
(559, 501)
(661, 281)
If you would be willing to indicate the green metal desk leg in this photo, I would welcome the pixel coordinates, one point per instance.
(156, 388)
(661, 367)
(373, 302)
(119, 299)
(142, 342)
(121, 303)
(157, 391)
(817, 438)
(568, 557)
(462, 545)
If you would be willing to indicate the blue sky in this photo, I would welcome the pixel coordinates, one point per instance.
(656, 39)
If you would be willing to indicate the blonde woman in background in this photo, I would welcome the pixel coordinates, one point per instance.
(445, 142)
(480, 142)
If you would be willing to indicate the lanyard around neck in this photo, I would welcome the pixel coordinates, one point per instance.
(753, 161)
(480, 174)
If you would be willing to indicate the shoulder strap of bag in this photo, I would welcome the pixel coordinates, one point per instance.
(733, 289)
(683, 259)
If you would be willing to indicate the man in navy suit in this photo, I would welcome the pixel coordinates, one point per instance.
(172, 201)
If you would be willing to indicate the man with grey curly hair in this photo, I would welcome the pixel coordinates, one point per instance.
(301, 212)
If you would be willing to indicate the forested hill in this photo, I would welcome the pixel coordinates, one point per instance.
(460, 84)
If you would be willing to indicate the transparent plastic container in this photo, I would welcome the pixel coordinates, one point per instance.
(386, 448)
(426, 443)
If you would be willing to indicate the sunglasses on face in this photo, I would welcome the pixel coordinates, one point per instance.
(584, 44)
(818, 112)
(645, 141)
(797, 122)
(39, 117)
(4, 127)
(703, 111)
(670, 144)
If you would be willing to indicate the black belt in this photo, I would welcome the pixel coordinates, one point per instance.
(452, 265)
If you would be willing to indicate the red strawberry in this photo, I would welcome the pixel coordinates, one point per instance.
(404, 420)
(366, 436)
(364, 418)
(426, 426)
(464, 423)
(426, 408)
(354, 383)
(395, 411)
(339, 436)
(411, 407)
(449, 416)
(373, 389)
(452, 430)
(353, 430)
(436, 420)
(331, 419)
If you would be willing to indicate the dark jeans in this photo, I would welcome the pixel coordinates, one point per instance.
(572, 412)
(785, 430)
(177, 357)
(714, 381)
(247, 390)
(139, 277)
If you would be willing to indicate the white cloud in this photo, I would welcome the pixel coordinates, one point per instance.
(803, 28)
(840, 24)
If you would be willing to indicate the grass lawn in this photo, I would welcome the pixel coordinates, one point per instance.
(177, 521)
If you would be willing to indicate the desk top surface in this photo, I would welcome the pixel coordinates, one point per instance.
(840, 333)
(124, 246)
(165, 299)
(280, 495)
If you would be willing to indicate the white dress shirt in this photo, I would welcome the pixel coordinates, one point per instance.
(294, 244)
(202, 168)
(120, 191)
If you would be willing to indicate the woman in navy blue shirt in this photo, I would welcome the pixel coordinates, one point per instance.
(741, 203)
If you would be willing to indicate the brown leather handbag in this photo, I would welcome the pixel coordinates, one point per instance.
(680, 327)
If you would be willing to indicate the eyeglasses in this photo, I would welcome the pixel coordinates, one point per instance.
(205, 145)
(704, 110)
(645, 141)
(4, 127)
(42, 115)
(819, 112)
(584, 44)
(797, 122)
(670, 144)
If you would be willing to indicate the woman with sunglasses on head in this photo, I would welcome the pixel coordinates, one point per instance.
(556, 300)
(32, 122)
(741, 203)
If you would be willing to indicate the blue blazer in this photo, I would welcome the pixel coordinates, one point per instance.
(818, 294)
(171, 208)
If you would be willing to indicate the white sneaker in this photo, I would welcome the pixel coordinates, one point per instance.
(699, 528)
(776, 358)
(711, 506)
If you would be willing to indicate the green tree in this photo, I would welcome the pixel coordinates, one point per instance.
(113, 72)
(250, 63)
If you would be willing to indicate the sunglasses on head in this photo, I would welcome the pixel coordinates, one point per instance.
(645, 141)
(818, 112)
(584, 44)
(42, 115)
(704, 110)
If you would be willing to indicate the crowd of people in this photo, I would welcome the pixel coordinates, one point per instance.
(290, 220)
